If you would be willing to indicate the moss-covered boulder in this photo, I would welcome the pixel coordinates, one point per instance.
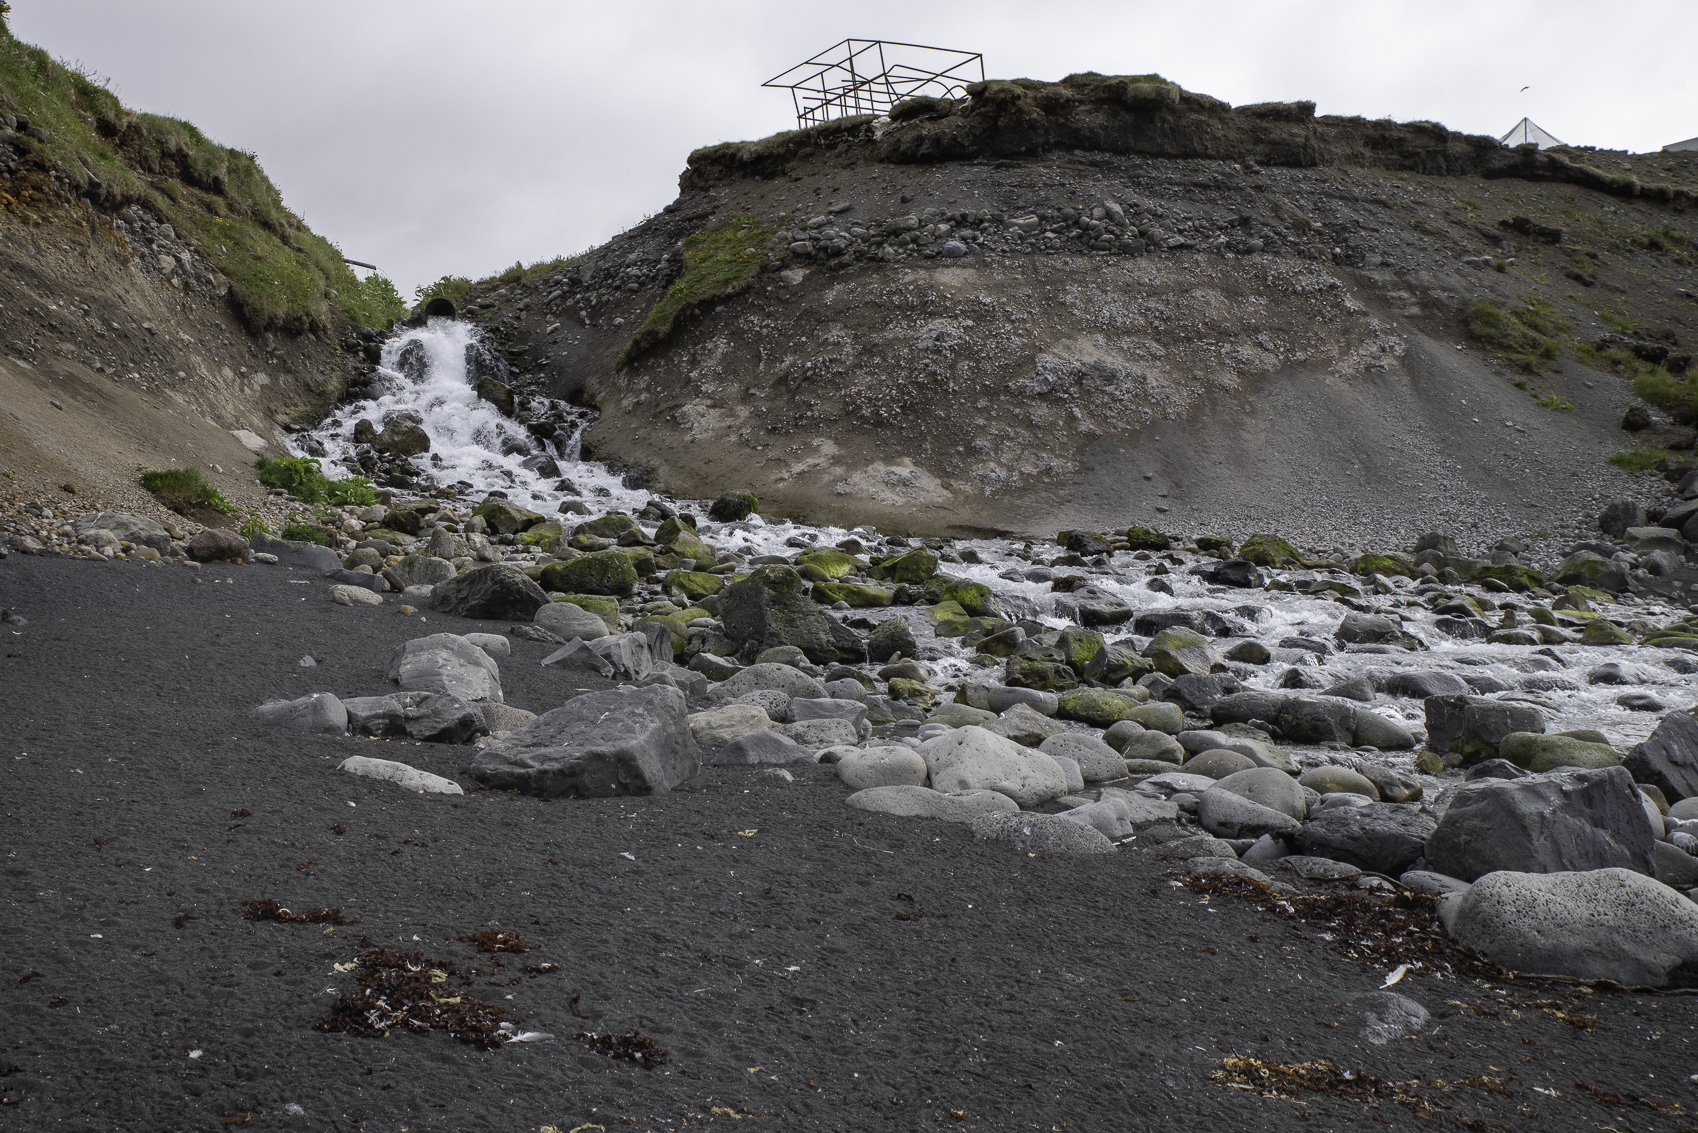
(889, 638)
(1094, 706)
(602, 606)
(692, 584)
(1147, 539)
(683, 540)
(549, 536)
(600, 572)
(1217, 545)
(856, 594)
(641, 559)
(913, 692)
(911, 567)
(950, 620)
(1538, 752)
(1039, 673)
(1671, 639)
(1602, 632)
(1383, 564)
(1079, 647)
(1331, 779)
(363, 557)
(504, 517)
(609, 526)
(1512, 575)
(1177, 652)
(675, 625)
(1269, 551)
(733, 506)
(772, 606)
(974, 597)
(832, 564)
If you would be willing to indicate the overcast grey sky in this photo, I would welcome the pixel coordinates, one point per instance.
(432, 137)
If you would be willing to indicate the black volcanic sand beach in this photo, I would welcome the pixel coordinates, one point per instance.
(806, 966)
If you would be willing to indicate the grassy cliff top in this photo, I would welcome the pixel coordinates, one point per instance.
(282, 275)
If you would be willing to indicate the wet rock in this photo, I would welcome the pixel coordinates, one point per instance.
(1668, 760)
(1421, 685)
(1610, 923)
(599, 572)
(626, 741)
(1474, 727)
(1373, 629)
(494, 592)
(402, 437)
(504, 517)
(1330, 780)
(1305, 720)
(733, 506)
(1177, 651)
(1548, 752)
(1578, 820)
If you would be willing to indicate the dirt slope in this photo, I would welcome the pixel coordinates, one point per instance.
(1270, 344)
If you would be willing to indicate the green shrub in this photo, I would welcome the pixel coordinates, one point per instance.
(252, 526)
(177, 488)
(1638, 460)
(303, 478)
(450, 287)
(1528, 334)
(1556, 404)
(1660, 388)
(718, 262)
(305, 533)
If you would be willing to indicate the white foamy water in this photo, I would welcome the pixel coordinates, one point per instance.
(468, 436)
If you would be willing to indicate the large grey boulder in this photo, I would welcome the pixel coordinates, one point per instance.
(1228, 815)
(1561, 821)
(923, 802)
(972, 758)
(760, 748)
(423, 570)
(320, 714)
(430, 717)
(1042, 833)
(863, 768)
(1000, 698)
(1097, 761)
(618, 656)
(626, 741)
(1109, 816)
(1383, 837)
(298, 552)
(1374, 730)
(817, 734)
(216, 545)
(1269, 787)
(1311, 720)
(1474, 726)
(1025, 725)
(137, 529)
(716, 727)
(496, 591)
(1668, 760)
(1422, 684)
(1612, 924)
(773, 606)
(1674, 866)
(851, 712)
(566, 620)
(790, 681)
(445, 662)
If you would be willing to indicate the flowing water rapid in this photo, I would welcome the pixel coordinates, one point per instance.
(427, 374)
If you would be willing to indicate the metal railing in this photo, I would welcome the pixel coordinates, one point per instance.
(869, 76)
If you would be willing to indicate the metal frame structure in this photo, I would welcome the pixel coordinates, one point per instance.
(869, 76)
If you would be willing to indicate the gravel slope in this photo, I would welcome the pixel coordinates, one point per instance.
(1044, 993)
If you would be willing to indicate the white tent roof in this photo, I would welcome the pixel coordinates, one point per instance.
(1526, 131)
(1688, 144)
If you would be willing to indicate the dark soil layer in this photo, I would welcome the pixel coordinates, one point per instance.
(805, 967)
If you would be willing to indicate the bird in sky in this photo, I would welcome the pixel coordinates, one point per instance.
(1526, 88)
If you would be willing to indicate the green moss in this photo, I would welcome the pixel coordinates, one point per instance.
(1512, 575)
(910, 566)
(305, 533)
(1094, 706)
(302, 477)
(692, 584)
(974, 597)
(604, 572)
(1530, 333)
(1269, 551)
(1379, 564)
(182, 487)
(281, 274)
(858, 595)
(718, 262)
(732, 506)
(833, 564)
(1145, 539)
(1636, 460)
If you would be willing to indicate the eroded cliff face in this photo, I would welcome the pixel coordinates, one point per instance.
(955, 326)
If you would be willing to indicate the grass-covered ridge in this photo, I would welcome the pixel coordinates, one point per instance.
(719, 262)
(282, 275)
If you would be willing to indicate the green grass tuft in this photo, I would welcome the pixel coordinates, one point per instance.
(281, 274)
(303, 478)
(183, 487)
(718, 262)
(305, 533)
(1529, 334)
(1636, 460)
